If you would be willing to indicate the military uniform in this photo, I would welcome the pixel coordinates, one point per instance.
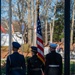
(53, 64)
(34, 65)
(15, 63)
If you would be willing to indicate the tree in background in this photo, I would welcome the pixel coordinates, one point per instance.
(24, 12)
(72, 23)
(59, 22)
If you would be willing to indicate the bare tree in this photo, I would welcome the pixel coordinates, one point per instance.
(46, 6)
(46, 36)
(29, 21)
(33, 23)
(72, 26)
(52, 25)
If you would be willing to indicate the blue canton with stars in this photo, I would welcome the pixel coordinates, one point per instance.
(39, 27)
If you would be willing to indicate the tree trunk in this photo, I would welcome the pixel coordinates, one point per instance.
(50, 33)
(46, 30)
(33, 23)
(29, 23)
(72, 26)
(46, 36)
(52, 27)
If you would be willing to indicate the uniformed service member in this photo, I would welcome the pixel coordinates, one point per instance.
(34, 65)
(53, 64)
(15, 63)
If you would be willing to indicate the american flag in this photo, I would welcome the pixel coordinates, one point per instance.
(40, 41)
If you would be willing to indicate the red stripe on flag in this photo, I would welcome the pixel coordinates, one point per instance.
(40, 40)
(40, 47)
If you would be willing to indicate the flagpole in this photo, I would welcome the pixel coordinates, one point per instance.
(10, 29)
(38, 2)
(39, 32)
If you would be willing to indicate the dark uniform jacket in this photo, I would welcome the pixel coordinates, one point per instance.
(15, 64)
(35, 66)
(53, 64)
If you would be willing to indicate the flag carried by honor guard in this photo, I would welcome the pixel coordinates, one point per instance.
(40, 41)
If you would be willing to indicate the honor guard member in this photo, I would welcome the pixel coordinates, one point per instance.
(15, 63)
(53, 64)
(34, 65)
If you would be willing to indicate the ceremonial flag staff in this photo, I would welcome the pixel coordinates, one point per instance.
(39, 37)
(38, 8)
